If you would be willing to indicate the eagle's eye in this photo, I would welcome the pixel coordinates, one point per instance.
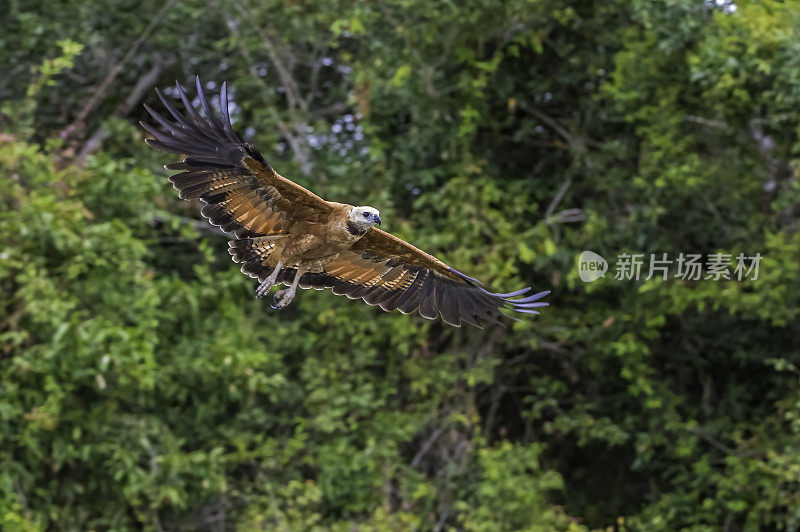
(366, 214)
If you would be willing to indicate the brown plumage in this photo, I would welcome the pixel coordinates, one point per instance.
(286, 234)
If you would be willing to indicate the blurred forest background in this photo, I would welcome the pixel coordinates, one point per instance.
(143, 387)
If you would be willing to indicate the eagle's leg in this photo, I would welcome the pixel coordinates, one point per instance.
(284, 297)
(268, 283)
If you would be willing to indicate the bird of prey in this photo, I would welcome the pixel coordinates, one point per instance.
(286, 234)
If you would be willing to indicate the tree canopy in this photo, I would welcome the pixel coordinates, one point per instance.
(143, 387)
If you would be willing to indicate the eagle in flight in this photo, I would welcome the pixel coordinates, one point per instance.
(286, 234)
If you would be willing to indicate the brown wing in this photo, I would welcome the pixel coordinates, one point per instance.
(384, 270)
(243, 194)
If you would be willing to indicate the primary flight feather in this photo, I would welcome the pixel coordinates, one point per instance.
(286, 234)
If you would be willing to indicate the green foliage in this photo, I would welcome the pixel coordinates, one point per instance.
(142, 385)
(512, 495)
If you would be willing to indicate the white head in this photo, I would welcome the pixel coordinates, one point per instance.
(362, 218)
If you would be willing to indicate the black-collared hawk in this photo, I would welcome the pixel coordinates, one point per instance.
(286, 234)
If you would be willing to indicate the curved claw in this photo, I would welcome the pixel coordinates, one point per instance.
(282, 298)
(264, 288)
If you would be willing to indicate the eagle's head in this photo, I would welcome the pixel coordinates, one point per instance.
(362, 218)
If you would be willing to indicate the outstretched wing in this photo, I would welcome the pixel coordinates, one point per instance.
(384, 270)
(243, 194)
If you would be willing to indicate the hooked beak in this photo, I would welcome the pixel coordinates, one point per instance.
(377, 219)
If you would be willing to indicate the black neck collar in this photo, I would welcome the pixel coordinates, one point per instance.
(354, 230)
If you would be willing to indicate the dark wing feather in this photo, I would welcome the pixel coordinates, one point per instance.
(254, 254)
(243, 194)
(384, 270)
